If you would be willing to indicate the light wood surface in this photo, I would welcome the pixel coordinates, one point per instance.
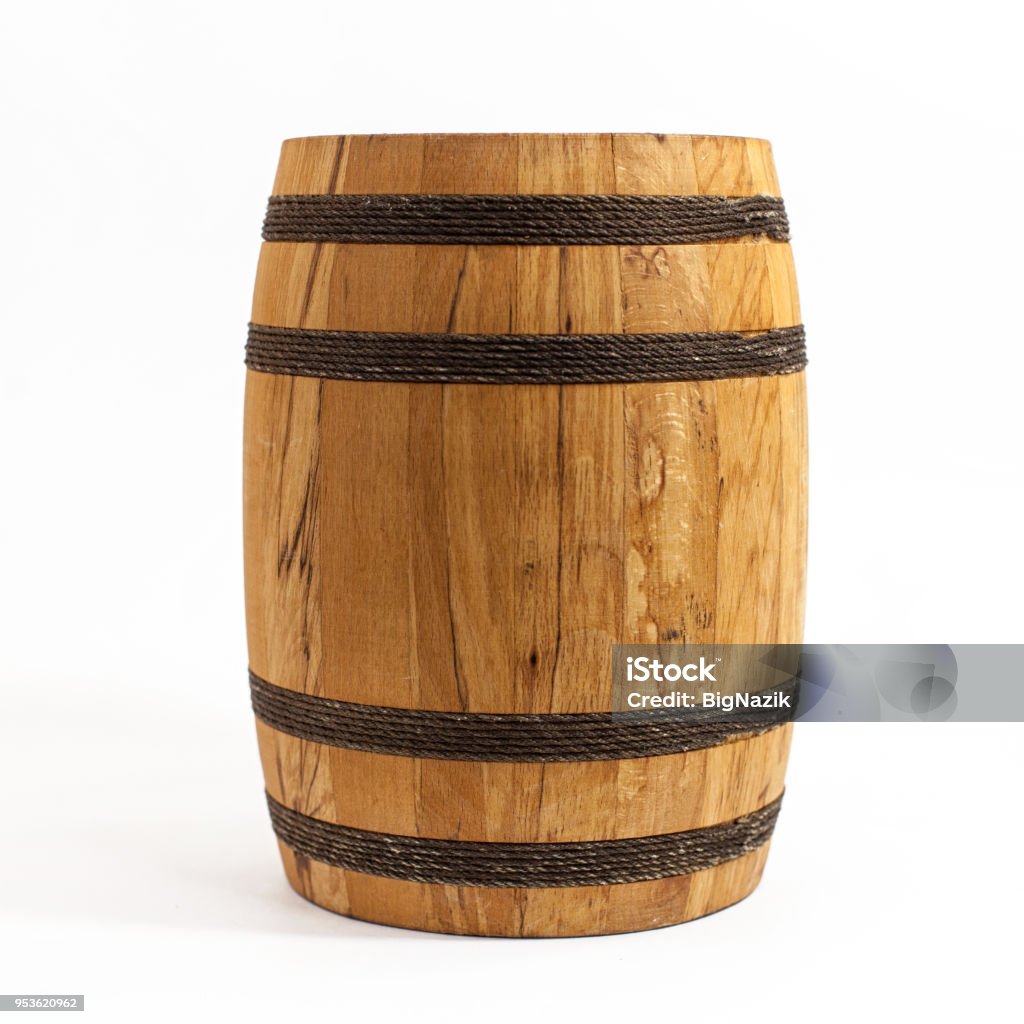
(525, 913)
(558, 802)
(479, 548)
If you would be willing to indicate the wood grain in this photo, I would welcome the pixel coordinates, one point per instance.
(563, 802)
(479, 548)
(727, 286)
(504, 164)
(525, 913)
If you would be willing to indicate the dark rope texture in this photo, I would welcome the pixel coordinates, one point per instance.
(524, 358)
(523, 219)
(458, 736)
(522, 865)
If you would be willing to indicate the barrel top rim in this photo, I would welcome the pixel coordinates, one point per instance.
(530, 135)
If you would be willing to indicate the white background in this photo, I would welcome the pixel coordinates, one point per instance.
(140, 140)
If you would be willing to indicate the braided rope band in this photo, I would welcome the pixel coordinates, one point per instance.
(522, 865)
(458, 736)
(523, 219)
(524, 358)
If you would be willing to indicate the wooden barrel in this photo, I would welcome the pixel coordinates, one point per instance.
(513, 399)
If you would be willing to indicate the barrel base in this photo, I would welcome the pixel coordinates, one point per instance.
(525, 913)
